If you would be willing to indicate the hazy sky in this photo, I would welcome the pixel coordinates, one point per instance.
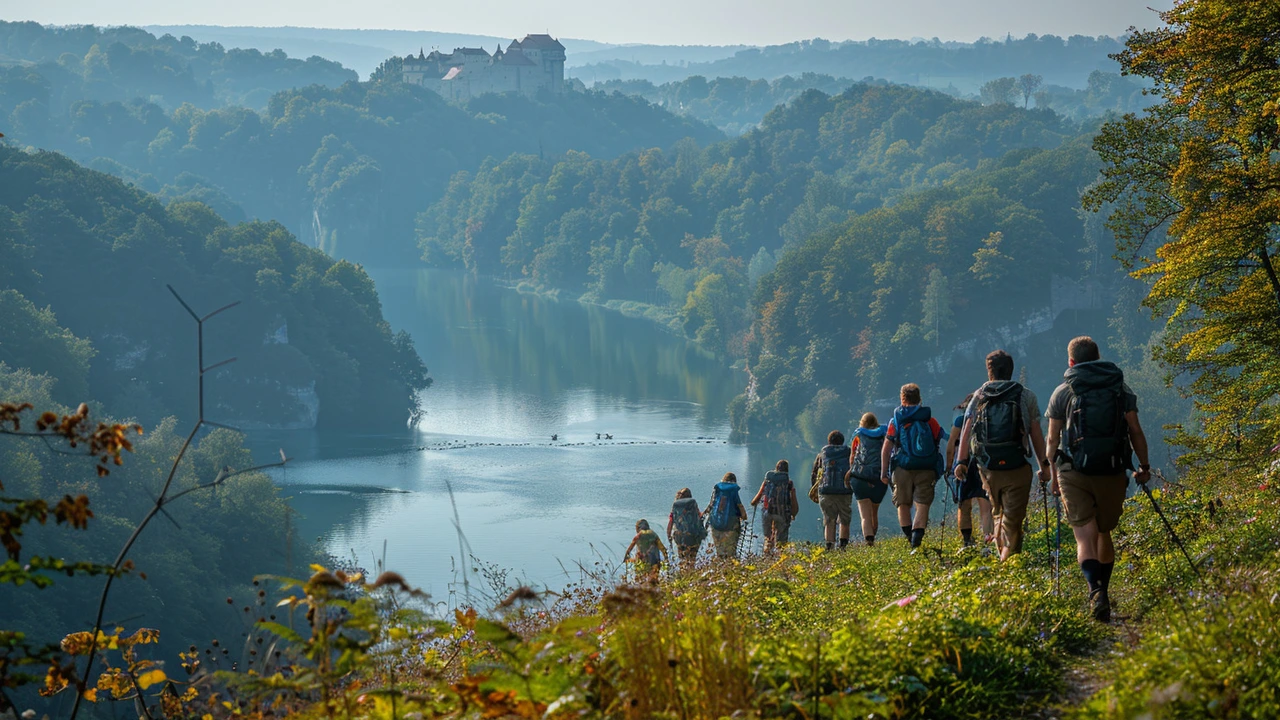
(755, 22)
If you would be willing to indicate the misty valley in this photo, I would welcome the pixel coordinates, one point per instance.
(404, 374)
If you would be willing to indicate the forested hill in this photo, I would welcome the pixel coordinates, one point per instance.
(964, 66)
(84, 260)
(61, 66)
(908, 228)
(630, 227)
(739, 104)
(346, 168)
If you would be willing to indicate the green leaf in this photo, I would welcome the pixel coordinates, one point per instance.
(282, 631)
(494, 632)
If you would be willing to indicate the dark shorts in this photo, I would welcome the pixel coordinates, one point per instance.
(872, 490)
(970, 488)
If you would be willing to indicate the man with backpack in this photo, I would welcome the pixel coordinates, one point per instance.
(912, 459)
(1003, 420)
(780, 507)
(685, 528)
(725, 515)
(1094, 431)
(835, 494)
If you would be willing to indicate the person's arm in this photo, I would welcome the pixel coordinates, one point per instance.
(1038, 445)
(1054, 441)
(795, 503)
(853, 450)
(627, 555)
(813, 474)
(886, 452)
(962, 452)
(1138, 439)
(663, 549)
(742, 512)
(759, 494)
(671, 522)
(952, 444)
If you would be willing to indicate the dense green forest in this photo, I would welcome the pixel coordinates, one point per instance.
(737, 104)
(346, 168)
(901, 222)
(310, 337)
(49, 70)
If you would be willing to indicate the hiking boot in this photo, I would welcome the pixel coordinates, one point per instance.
(970, 542)
(1101, 605)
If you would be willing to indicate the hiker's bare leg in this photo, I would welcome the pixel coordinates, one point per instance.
(904, 515)
(867, 511)
(922, 516)
(1087, 542)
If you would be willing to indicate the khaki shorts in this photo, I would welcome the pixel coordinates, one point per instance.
(836, 508)
(913, 486)
(776, 529)
(1093, 497)
(726, 542)
(1009, 491)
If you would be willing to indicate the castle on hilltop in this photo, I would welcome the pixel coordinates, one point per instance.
(527, 66)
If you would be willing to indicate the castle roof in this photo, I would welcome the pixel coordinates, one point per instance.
(471, 51)
(514, 57)
(540, 42)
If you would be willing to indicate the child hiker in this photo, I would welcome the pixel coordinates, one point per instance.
(650, 552)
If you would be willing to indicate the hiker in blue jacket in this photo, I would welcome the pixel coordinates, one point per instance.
(912, 456)
(864, 474)
(725, 514)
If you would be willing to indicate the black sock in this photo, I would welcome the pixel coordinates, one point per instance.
(830, 545)
(1092, 574)
(1106, 573)
(906, 531)
(967, 533)
(844, 541)
(917, 536)
(871, 539)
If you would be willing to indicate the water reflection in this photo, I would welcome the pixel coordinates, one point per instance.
(511, 370)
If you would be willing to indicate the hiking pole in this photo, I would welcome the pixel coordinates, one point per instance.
(1044, 497)
(1155, 506)
(1057, 539)
(946, 509)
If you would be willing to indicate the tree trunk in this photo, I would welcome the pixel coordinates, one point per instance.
(1271, 275)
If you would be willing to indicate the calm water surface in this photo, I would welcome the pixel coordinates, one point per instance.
(511, 370)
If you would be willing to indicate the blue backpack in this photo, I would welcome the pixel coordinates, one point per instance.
(688, 528)
(724, 507)
(917, 448)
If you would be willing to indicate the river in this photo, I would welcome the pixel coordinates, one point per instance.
(511, 370)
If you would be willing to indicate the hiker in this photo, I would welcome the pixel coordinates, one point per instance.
(913, 461)
(835, 494)
(780, 506)
(969, 490)
(684, 527)
(650, 552)
(1094, 431)
(1003, 420)
(864, 473)
(725, 515)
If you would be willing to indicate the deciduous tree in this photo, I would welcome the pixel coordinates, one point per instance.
(1196, 186)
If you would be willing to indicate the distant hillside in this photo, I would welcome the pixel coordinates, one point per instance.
(963, 67)
(55, 67)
